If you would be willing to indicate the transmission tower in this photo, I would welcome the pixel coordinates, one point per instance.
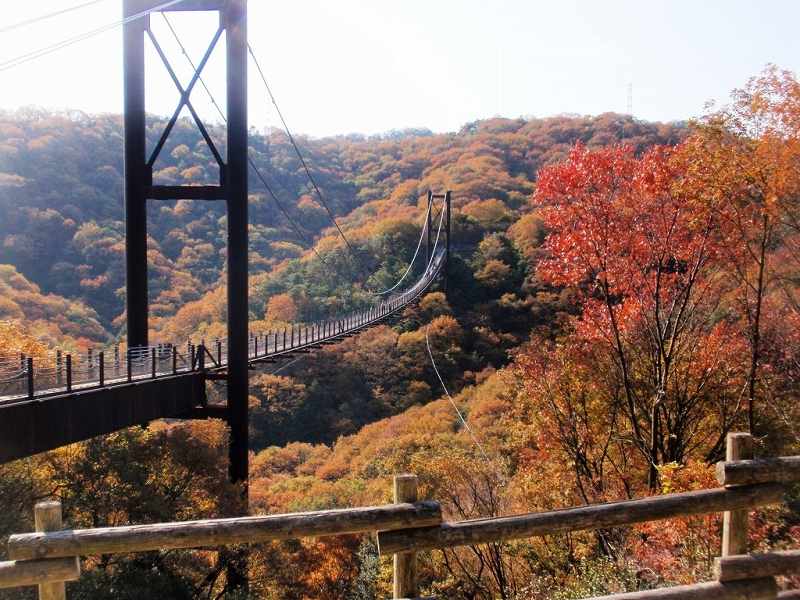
(630, 99)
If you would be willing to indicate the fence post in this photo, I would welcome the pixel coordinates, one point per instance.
(101, 366)
(59, 367)
(29, 376)
(405, 563)
(69, 372)
(47, 517)
(739, 446)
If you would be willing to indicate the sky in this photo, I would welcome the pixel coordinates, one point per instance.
(358, 66)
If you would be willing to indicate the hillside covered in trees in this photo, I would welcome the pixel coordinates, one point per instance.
(70, 249)
(622, 294)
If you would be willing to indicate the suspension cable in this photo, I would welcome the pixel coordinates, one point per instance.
(414, 258)
(281, 207)
(304, 164)
(450, 398)
(40, 18)
(436, 243)
(34, 54)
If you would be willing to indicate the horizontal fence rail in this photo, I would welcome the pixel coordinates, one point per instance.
(593, 516)
(759, 589)
(219, 532)
(33, 572)
(753, 566)
(410, 525)
(784, 470)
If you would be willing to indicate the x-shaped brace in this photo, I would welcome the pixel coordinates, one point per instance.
(185, 101)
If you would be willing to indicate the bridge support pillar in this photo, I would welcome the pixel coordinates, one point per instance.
(428, 228)
(235, 18)
(232, 188)
(136, 175)
(447, 246)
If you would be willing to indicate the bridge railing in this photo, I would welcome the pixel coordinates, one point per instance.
(24, 377)
(50, 556)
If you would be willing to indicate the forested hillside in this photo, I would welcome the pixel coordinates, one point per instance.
(622, 295)
(61, 226)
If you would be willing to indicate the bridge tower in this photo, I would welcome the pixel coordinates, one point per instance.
(232, 188)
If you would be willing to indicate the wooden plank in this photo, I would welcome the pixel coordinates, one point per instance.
(758, 589)
(47, 517)
(594, 516)
(752, 566)
(405, 564)
(739, 446)
(33, 572)
(785, 469)
(220, 532)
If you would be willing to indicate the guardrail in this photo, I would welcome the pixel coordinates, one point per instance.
(50, 556)
(22, 378)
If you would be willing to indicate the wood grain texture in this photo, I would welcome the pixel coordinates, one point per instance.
(739, 446)
(759, 589)
(220, 532)
(753, 566)
(405, 563)
(47, 517)
(33, 572)
(785, 469)
(594, 516)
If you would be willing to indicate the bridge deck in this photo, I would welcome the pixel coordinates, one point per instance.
(156, 386)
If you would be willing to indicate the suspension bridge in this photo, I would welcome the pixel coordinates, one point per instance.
(50, 402)
(45, 404)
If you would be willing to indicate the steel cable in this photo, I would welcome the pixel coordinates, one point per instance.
(414, 258)
(47, 16)
(34, 54)
(273, 195)
(305, 165)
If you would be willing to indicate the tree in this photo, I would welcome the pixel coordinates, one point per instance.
(742, 162)
(281, 308)
(642, 256)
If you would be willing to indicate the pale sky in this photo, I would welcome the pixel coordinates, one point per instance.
(343, 66)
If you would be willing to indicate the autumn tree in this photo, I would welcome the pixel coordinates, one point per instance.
(742, 162)
(642, 256)
(281, 308)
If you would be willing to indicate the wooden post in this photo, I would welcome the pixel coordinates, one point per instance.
(47, 517)
(739, 446)
(405, 563)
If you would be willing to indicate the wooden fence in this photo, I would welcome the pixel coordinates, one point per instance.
(50, 556)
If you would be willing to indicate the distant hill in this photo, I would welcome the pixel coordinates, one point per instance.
(61, 187)
(61, 239)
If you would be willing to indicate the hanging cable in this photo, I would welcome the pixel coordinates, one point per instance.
(414, 258)
(450, 398)
(282, 367)
(250, 160)
(436, 242)
(29, 56)
(47, 16)
(304, 164)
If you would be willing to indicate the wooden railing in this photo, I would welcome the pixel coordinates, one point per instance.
(49, 557)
